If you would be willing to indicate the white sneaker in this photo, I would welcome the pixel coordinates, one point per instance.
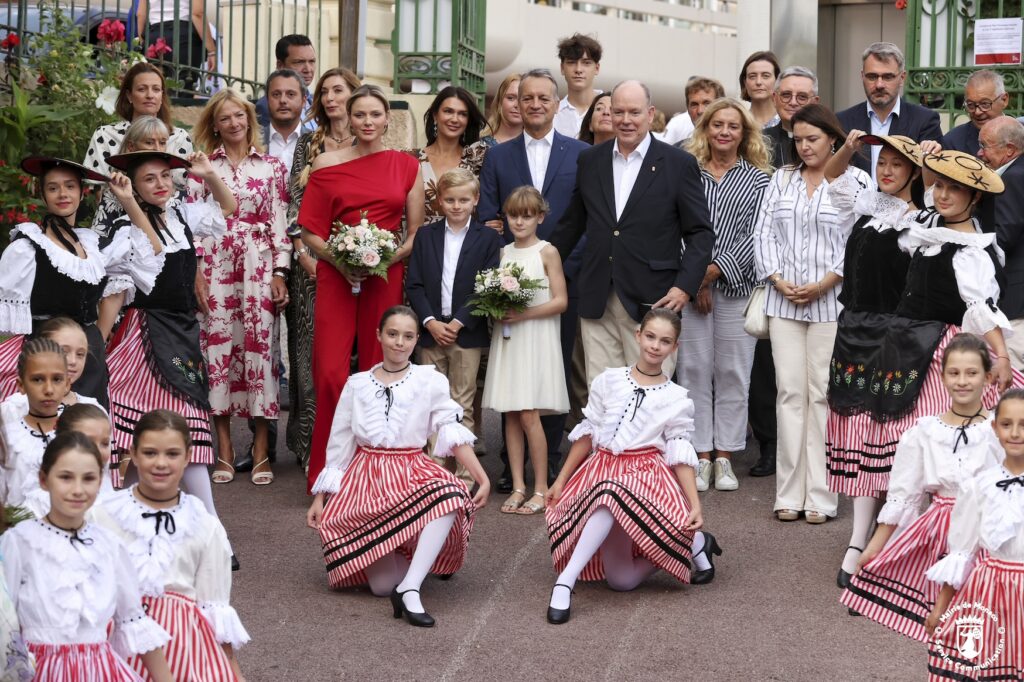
(703, 475)
(725, 479)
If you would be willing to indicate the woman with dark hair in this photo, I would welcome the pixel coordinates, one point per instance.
(332, 134)
(143, 93)
(799, 249)
(453, 124)
(596, 126)
(504, 121)
(757, 86)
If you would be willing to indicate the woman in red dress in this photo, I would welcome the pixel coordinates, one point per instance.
(385, 184)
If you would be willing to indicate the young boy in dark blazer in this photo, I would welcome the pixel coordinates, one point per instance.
(446, 256)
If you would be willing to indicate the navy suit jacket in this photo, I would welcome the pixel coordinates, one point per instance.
(916, 122)
(480, 250)
(637, 254)
(1004, 215)
(963, 138)
(506, 168)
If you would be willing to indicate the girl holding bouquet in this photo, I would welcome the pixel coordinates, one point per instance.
(385, 184)
(524, 371)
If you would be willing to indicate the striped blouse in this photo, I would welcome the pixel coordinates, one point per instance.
(802, 238)
(733, 203)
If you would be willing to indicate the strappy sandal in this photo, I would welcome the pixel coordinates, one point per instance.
(262, 477)
(511, 506)
(222, 476)
(531, 508)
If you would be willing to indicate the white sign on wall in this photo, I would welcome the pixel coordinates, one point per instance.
(997, 41)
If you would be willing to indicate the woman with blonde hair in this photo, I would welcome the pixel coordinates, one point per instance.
(715, 365)
(332, 134)
(505, 121)
(247, 269)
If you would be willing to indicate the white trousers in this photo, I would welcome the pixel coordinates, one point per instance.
(802, 352)
(715, 356)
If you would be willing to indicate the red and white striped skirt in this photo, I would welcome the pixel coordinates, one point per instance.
(385, 500)
(9, 352)
(134, 391)
(982, 634)
(892, 589)
(80, 663)
(193, 652)
(860, 450)
(643, 496)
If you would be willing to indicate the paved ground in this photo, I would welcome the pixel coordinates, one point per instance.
(771, 613)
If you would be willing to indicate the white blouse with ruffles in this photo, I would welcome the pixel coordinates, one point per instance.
(420, 406)
(194, 560)
(853, 196)
(989, 515)
(623, 415)
(926, 463)
(975, 273)
(67, 589)
(130, 251)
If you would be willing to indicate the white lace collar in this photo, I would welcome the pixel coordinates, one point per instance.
(89, 269)
(1003, 506)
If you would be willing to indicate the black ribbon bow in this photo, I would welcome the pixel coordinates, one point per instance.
(76, 538)
(961, 431)
(389, 397)
(61, 230)
(639, 394)
(1007, 482)
(162, 517)
(156, 219)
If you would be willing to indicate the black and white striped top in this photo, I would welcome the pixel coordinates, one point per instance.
(802, 238)
(733, 204)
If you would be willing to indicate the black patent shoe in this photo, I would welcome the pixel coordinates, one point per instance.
(852, 612)
(843, 578)
(559, 616)
(244, 463)
(420, 620)
(765, 465)
(235, 566)
(504, 484)
(711, 549)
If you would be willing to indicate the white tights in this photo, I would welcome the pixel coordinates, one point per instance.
(864, 511)
(384, 574)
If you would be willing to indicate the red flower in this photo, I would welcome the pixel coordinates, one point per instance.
(111, 32)
(25, 180)
(158, 49)
(901, 4)
(888, 375)
(12, 40)
(42, 79)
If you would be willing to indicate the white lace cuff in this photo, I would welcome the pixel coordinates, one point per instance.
(584, 428)
(15, 317)
(120, 283)
(899, 513)
(138, 635)
(680, 451)
(329, 481)
(952, 569)
(451, 436)
(982, 318)
(227, 627)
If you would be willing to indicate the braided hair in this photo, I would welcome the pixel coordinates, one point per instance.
(37, 346)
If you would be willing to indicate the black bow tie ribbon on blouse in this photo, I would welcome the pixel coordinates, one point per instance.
(389, 398)
(961, 431)
(166, 518)
(61, 230)
(639, 394)
(1007, 482)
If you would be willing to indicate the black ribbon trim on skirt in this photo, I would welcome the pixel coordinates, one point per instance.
(336, 545)
(989, 674)
(888, 605)
(575, 516)
(177, 336)
(201, 434)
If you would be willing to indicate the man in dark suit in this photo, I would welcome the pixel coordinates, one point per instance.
(885, 112)
(1002, 148)
(546, 159)
(293, 52)
(796, 87)
(985, 97)
(637, 200)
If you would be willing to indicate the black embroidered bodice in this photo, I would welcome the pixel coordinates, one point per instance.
(876, 270)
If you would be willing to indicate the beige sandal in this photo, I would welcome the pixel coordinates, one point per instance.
(262, 477)
(221, 476)
(531, 508)
(511, 506)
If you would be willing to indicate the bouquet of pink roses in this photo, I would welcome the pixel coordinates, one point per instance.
(362, 247)
(500, 290)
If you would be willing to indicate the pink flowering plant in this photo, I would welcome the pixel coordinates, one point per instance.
(363, 248)
(499, 291)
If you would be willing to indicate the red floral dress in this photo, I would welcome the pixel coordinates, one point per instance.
(238, 331)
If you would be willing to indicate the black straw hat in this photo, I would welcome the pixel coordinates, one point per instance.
(128, 160)
(39, 166)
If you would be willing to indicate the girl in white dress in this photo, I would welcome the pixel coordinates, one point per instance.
(934, 457)
(619, 490)
(71, 579)
(525, 375)
(977, 623)
(393, 514)
(180, 552)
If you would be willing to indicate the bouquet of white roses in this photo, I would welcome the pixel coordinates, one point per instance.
(500, 290)
(362, 247)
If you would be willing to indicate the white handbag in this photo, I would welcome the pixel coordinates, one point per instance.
(755, 315)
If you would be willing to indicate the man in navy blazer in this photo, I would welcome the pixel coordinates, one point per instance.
(885, 112)
(546, 159)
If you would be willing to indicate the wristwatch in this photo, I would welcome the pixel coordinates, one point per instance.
(299, 253)
(774, 279)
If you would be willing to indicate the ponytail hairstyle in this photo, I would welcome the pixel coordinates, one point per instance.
(968, 343)
(73, 415)
(63, 442)
(56, 324)
(666, 314)
(397, 310)
(162, 420)
(37, 346)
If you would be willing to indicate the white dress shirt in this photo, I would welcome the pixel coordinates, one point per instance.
(538, 152)
(879, 127)
(453, 241)
(625, 170)
(283, 148)
(679, 128)
(568, 119)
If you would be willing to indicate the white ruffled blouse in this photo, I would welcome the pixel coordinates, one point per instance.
(130, 251)
(854, 195)
(68, 589)
(183, 549)
(623, 415)
(20, 475)
(989, 515)
(975, 273)
(402, 415)
(204, 218)
(933, 458)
